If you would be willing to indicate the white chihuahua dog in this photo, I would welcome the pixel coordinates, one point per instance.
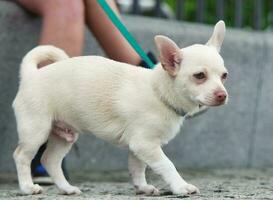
(132, 107)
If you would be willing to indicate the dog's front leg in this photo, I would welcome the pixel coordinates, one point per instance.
(152, 154)
(137, 172)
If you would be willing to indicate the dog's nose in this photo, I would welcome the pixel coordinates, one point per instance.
(220, 96)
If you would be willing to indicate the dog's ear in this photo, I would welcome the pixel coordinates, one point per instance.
(169, 54)
(218, 35)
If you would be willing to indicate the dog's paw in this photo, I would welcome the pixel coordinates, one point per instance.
(192, 189)
(71, 190)
(148, 189)
(32, 189)
(186, 190)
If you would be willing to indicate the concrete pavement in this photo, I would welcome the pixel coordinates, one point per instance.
(213, 184)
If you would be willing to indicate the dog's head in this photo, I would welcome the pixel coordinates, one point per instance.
(197, 71)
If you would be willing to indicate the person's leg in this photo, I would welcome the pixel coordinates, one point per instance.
(113, 43)
(62, 25)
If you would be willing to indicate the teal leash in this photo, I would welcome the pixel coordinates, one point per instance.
(126, 34)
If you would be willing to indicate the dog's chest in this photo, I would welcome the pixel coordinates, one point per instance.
(170, 130)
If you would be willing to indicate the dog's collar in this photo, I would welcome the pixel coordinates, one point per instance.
(179, 112)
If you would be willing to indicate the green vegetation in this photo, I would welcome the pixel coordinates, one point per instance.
(229, 12)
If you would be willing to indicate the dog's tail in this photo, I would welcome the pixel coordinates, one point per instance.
(38, 55)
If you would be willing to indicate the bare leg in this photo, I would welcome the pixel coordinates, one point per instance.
(153, 155)
(63, 23)
(137, 171)
(113, 43)
(63, 26)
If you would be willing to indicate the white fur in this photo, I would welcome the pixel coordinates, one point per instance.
(119, 103)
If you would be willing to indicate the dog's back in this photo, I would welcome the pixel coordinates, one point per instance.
(85, 92)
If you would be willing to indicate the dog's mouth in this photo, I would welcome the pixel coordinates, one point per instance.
(210, 103)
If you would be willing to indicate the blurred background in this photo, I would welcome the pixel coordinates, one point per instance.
(247, 14)
(238, 135)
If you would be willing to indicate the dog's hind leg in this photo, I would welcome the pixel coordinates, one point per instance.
(33, 132)
(57, 148)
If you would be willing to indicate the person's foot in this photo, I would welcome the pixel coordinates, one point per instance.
(40, 176)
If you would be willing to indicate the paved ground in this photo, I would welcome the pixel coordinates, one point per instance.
(213, 184)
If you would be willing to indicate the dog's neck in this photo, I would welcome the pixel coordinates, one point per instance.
(163, 88)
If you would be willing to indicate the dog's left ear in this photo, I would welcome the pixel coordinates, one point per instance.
(218, 35)
(169, 54)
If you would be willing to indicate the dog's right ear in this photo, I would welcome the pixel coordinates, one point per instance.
(170, 55)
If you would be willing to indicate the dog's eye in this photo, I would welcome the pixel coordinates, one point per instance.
(200, 75)
(224, 76)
